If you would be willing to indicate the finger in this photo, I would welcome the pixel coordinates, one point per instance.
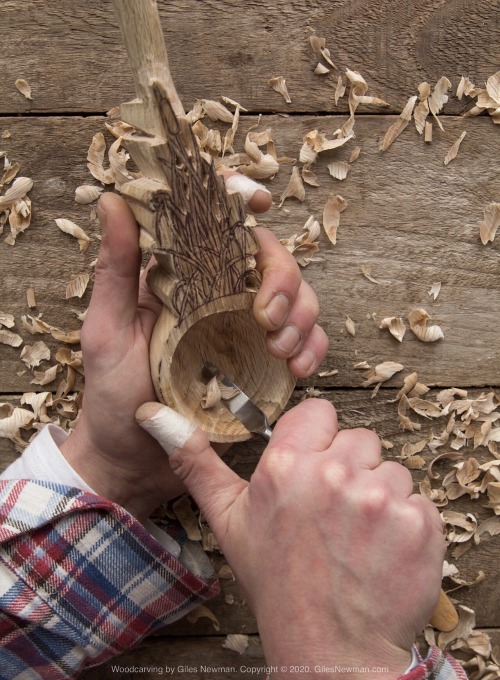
(149, 306)
(358, 447)
(281, 281)
(310, 426)
(289, 340)
(396, 477)
(213, 485)
(255, 195)
(311, 354)
(114, 296)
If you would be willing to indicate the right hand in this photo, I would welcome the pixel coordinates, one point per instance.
(339, 561)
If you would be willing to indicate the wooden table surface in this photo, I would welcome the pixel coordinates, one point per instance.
(409, 217)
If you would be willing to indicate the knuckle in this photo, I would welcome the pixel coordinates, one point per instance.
(335, 475)
(375, 500)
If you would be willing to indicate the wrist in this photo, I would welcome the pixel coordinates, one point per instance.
(122, 486)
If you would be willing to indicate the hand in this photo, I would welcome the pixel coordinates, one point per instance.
(107, 448)
(339, 561)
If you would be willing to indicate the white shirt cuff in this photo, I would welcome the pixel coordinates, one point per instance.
(42, 460)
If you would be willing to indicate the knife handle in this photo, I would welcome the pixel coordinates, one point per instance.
(445, 617)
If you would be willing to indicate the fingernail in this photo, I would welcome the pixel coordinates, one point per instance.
(245, 186)
(277, 309)
(306, 360)
(167, 426)
(287, 339)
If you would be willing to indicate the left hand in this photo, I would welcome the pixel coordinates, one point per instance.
(116, 458)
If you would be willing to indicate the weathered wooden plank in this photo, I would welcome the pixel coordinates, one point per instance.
(413, 220)
(216, 48)
(356, 408)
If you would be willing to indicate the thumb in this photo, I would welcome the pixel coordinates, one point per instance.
(213, 485)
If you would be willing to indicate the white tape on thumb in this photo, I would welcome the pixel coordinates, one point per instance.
(167, 426)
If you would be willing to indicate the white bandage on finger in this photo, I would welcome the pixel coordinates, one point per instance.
(167, 426)
(240, 184)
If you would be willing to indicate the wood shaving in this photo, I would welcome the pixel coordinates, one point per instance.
(319, 143)
(216, 111)
(339, 90)
(338, 169)
(236, 643)
(10, 338)
(401, 124)
(331, 215)
(491, 222)
(319, 47)
(435, 289)
(350, 326)
(418, 319)
(452, 153)
(295, 187)
(184, 512)
(7, 320)
(77, 286)
(202, 612)
(87, 193)
(31, 298)
(6, 134)
(95, 158)
(17, 192)
(428, 133)
(381, 373)
(12, 420)
(279, 84)
(69, 227)
(24, 87)
(33, 355)
(355, 154)
(439, 98)
(46, 377)
(395, 325)
(328, 373)
(366, 270)
(212, 395)
(321, 70)
(9, 173)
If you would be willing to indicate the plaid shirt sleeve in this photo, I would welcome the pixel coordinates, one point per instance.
(81, 580)
(436, 666)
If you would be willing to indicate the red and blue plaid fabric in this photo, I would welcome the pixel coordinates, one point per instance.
(436, 666)
(81, 580)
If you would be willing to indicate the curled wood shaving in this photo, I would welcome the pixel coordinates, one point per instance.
(319, 47)
(87, 193)
(184, 512)
(33, 355)
(491, 222)
(319, 143)
(321, 70)
(418, 324)
(401, 123)
(452, 153)
(339, 90)
(405, 422)
(439, 98)
(7, 320)
(338, 169)
(395, 325)
(366, 270)
(279, 84)
(216, 111)
(10, 338)
(69, 227)
(17, 192)
(77, 286)
(46, 377)
(335, 205)
(350, 326)
(461, 526)
(212, 395)
(295, 187)
(12, 420)
(95, 158)
(381, 373)
(236, 643)
(9, 174)
(24, 87)
(201, 612)
(435, 289)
